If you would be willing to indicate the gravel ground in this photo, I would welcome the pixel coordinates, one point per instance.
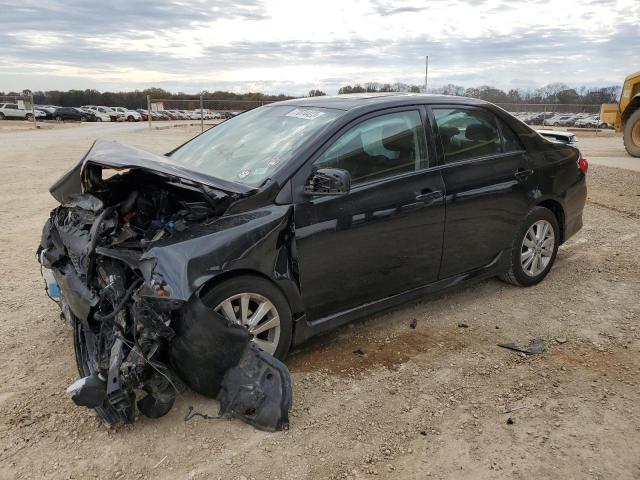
(439, 401)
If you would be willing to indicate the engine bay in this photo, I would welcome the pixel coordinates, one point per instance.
(124, 316)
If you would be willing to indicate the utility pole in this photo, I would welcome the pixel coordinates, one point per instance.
(201, 114)
(426, 72)
(149, 110)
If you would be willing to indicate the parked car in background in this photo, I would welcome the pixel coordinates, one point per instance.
(558, 121)
(171, 114)
(75, 114)
(143, 114)
(13, 111)
(128, 115)
(48, 109)
(113, 115)
(40, 114)
(100, 116)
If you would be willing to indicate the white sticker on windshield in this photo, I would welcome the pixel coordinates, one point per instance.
(304, 114)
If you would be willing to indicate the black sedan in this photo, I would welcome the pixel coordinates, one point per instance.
(71, 113)
(287, 221)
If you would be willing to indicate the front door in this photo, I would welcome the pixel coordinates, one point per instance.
(385, 235)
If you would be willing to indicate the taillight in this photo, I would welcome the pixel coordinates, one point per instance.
(583, 164)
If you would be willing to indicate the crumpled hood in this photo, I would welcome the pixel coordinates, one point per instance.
(115, 155)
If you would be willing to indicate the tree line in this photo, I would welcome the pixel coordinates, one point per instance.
(554, 93)
(138, 98)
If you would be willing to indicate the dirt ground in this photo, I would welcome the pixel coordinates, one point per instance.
(439, 401)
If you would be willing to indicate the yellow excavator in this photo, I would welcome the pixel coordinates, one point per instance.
(625, 115)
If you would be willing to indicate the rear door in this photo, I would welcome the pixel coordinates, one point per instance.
(488, 180)
(385, 235)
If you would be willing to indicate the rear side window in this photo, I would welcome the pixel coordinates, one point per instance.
(467, 133)
(510, 141)
(380, 147)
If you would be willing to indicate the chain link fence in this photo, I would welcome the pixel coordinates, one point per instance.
(203, 110)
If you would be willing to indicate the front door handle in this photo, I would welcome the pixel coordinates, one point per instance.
(522, 174)
(429, 196)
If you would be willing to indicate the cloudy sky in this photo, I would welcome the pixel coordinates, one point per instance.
(292, 46)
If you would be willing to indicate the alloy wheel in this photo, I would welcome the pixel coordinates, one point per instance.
(257, 314)
(537, 248)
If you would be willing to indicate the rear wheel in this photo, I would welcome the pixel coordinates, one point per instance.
(257, 305)
(29, 117)
(632, 134)
(58, 118)
(534, 248)
(2, 117)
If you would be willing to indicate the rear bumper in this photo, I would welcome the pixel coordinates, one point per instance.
(575, 200)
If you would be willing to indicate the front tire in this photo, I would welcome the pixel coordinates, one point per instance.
(534, 248)
(58, 118)
(258, 305)
(86, 362)
(632, 134)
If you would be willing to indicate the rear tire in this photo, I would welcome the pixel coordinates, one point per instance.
(632, 134)
(250, 284)
(29, 117)
(522, 246)
(58, 118)
(2, 117)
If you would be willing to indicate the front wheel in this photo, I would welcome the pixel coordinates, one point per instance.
(632, 134)
(58, 118)
(85, 347)
(534, 248)
(259, 306)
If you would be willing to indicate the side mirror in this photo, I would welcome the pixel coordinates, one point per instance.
(328, 181)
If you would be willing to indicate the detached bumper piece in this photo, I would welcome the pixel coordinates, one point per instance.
(217, 358)
(257, 391)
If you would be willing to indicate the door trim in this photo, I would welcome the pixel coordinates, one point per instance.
(305, 329)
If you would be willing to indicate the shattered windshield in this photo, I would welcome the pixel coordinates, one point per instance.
(248, 148)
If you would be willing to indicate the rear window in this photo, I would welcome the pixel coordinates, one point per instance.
(467, 133)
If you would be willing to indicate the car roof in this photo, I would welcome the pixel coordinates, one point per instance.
(354, 101)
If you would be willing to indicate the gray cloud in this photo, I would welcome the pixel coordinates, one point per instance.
(531, 55)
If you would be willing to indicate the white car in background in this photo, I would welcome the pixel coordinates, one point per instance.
(113, 115)
(128, 115)
(11, 110)
(100, 116)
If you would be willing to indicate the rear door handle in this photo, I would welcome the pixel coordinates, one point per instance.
(522, 174)
(429, 196)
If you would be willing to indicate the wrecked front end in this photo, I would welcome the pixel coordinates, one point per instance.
(114, 256)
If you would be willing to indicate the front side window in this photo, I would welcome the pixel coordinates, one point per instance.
(466, 133)
(379, 147)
